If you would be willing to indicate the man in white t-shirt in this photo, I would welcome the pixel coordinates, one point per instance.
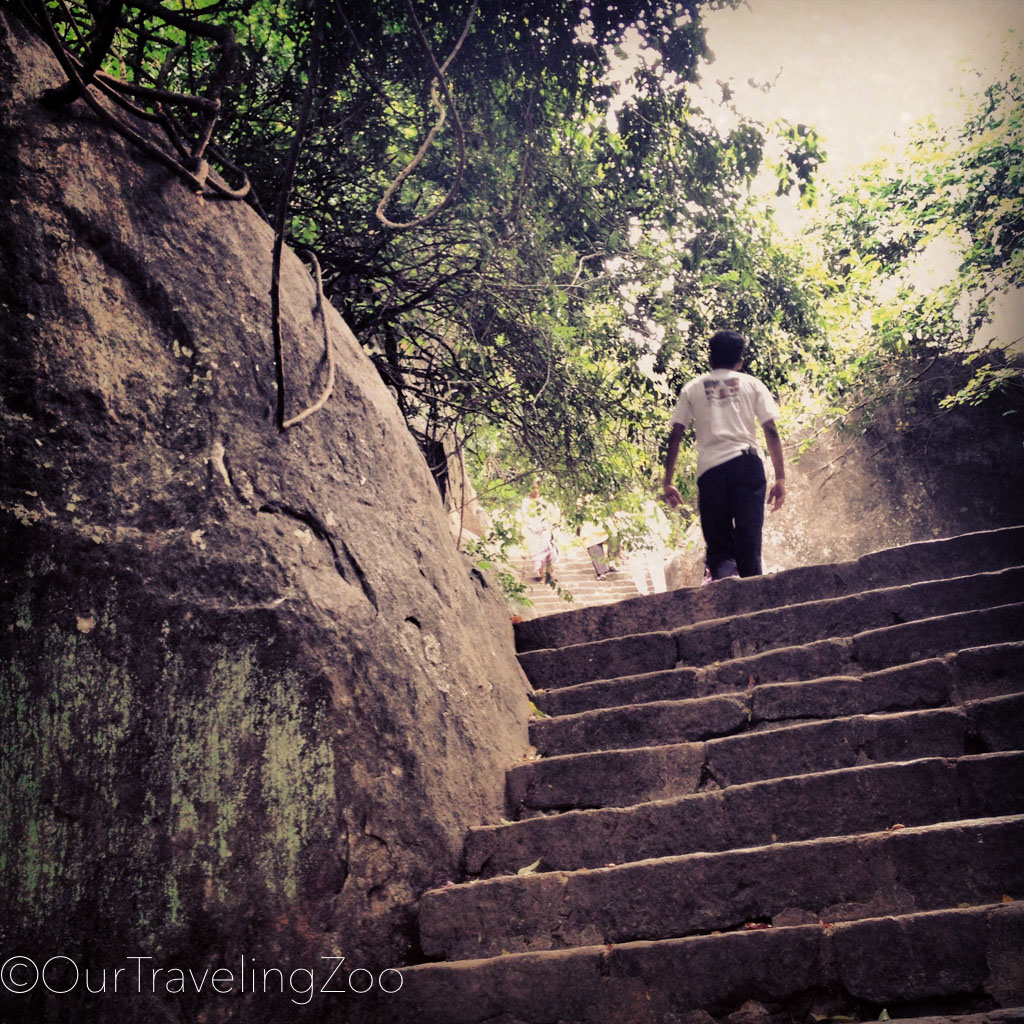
(725, 407)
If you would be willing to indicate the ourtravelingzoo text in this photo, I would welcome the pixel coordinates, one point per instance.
(61, 975)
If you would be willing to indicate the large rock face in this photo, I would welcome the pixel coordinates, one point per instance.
(917, 472)
(251, 696)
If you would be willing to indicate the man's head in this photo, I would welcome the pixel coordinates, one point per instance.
(726, 349)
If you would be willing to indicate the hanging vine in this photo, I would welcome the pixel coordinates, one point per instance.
(149, 103)
(87, 51)
(460, 135)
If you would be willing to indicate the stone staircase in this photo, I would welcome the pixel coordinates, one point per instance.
(574, 576)
(792, 798)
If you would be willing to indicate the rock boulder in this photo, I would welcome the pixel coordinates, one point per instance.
(252, 696)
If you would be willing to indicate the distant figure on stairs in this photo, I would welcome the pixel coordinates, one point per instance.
(593, 536)
(656, 550)
(538, 519)
(725, 407)
(642, 544)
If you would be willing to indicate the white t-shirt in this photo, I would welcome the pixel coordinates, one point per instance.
(725, 407)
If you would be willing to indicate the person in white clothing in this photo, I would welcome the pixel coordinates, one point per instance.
(725, 407)
(539, 519)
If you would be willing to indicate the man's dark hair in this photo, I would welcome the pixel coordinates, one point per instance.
(726, 349)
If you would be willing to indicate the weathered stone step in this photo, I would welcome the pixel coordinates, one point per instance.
(760, 631)
(929, 867)
(923, 684)
(845, 801)
(618, 778)
(928, 560)
(641, 725)
(967, 674)
(1010, 1015)
(863, 652)
(964, 958)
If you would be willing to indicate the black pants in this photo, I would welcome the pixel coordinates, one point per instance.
(731, 502)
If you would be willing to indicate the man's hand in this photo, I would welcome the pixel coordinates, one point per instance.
(672, 495)
(777, 495)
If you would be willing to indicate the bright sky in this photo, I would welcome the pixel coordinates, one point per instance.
(860, 71)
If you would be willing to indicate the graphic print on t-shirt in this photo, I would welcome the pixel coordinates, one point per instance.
(721, 390)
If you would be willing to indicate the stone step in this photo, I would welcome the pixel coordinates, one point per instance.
(965, 673)
(939, 559)
(790, 798)
(868, 651)
(964, 958)
(641, 725)
(1011, 1015)
(845, 801)
(620, 777)
(924, 684)
(930, 867)
(760, 631)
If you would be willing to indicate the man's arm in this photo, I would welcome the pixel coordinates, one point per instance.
(777, 494)
(672, 495)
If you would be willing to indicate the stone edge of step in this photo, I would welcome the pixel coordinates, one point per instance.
(543, 667)
(989, 547)
(562, 903)
(603, 694)
(865, 647)
(967, 710)
(926, 684)
(896, 959)
(954, 780)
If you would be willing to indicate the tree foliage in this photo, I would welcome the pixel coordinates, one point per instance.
(961, 188)
(547, 315)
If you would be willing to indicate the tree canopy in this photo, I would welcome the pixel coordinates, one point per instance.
(538, 279)
(960, 189)
(529, 222)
